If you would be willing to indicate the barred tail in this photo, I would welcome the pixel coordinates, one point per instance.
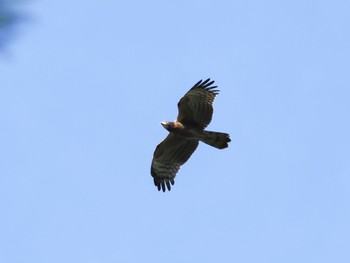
(218, 140)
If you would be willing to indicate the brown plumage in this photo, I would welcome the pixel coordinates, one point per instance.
(195, 113)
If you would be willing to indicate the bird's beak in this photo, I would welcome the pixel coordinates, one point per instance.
(163, 123)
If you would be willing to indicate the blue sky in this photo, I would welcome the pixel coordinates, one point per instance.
(84, 86)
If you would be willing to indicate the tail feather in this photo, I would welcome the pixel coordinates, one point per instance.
(218, 140)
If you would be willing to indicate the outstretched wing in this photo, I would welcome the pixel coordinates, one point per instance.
(195, 108)
(169, 155)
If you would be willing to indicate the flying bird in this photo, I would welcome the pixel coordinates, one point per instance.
(195, 113)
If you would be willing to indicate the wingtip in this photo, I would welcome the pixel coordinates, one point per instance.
(164, 184)
(206, 84)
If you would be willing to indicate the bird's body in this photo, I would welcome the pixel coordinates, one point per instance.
(195, 113)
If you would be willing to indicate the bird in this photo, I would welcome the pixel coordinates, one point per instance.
(195, 112)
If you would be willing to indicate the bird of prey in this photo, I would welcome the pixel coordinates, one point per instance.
(195, 113)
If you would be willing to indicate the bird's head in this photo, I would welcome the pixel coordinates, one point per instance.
(167, 125)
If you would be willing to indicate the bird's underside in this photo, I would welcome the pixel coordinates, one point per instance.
(195, 113)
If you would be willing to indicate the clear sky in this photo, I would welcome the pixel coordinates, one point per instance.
(84, 86)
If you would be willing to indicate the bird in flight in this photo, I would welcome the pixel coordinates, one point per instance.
(195, 113)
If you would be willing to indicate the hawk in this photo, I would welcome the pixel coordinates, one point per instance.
(195, 113)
